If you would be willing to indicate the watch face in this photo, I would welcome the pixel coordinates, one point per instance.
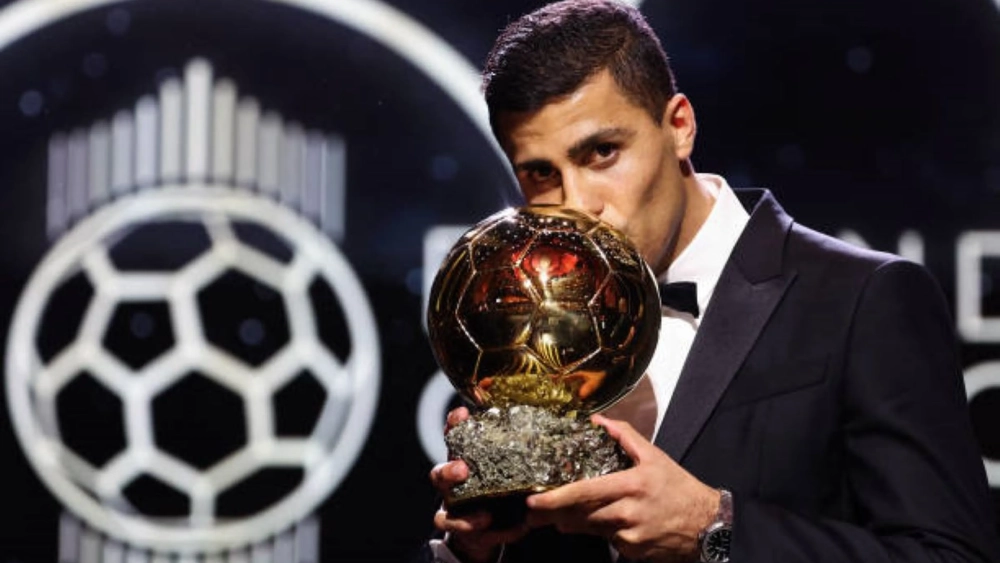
(716, 547)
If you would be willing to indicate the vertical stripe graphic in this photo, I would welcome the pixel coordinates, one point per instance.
(147, 135)
(57, 203)
(247, 123)
(99, 156)
(76, 185)
(223, 131)
(122, 153)
(269, 141)
(171, 124)
(197, 129)
(197, 122)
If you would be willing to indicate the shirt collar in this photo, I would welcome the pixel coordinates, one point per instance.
(707, 253)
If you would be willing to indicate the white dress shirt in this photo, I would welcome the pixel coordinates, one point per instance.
(700, 262)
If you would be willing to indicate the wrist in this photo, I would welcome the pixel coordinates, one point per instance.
(702, 516)
(710, 508)
(715, 539)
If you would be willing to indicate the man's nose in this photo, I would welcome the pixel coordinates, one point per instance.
(578, 194)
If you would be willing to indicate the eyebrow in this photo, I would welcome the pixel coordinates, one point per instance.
(581, 147)
(590, 142)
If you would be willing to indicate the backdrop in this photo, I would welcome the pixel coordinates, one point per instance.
(220, 219)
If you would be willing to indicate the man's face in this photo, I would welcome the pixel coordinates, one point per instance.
(596, 151)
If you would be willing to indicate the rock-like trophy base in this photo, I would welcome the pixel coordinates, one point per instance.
(516, 451)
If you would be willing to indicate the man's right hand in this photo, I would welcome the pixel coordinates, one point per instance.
(469, 535)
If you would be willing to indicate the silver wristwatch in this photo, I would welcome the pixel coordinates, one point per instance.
(714, 540)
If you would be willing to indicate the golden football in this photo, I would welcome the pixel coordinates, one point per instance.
(544, 306)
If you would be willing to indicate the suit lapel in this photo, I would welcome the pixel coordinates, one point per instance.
(750, 287)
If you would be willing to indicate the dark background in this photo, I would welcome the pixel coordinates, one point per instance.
(879, 116)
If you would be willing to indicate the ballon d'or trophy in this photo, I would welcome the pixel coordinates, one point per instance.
(539, 316)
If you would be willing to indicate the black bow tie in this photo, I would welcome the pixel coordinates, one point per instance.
(681, 297)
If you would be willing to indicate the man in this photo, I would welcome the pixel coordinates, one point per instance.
(812, 404)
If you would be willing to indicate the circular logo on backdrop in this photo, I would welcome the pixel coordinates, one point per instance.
(143, 380)
(193, 364)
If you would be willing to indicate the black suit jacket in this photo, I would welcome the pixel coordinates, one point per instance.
(823, 389)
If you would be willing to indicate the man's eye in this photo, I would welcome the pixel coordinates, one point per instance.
(605, 150)
(542, 173)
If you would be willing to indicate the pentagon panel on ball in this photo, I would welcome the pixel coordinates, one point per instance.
(540, 316)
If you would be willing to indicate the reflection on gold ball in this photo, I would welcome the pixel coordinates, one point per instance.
(544, 306)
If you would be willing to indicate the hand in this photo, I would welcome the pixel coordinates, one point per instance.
(470, 536)
(652, 511)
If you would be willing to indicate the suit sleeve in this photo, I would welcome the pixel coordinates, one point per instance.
(913, 467)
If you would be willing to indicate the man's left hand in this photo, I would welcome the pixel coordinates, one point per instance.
(652, 511)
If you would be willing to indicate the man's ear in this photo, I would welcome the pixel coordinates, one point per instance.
(679, 122)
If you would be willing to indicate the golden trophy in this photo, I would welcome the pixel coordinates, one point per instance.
(539, 316)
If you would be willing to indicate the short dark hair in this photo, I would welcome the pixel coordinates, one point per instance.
(550, 52)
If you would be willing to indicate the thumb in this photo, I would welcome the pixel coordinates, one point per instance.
(634, 444)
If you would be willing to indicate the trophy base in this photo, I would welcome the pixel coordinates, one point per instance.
(521, 450)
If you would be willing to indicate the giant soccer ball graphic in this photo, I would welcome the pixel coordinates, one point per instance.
(108, 347)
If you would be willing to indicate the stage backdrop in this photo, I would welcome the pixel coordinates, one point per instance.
(220, 219)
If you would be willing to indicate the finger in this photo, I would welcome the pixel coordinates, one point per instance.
(455, 417)
(612, 516)
(584, 494)
(476, 526)
(571, 521)
(634, 444)
(466, 523)
(446, 475)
